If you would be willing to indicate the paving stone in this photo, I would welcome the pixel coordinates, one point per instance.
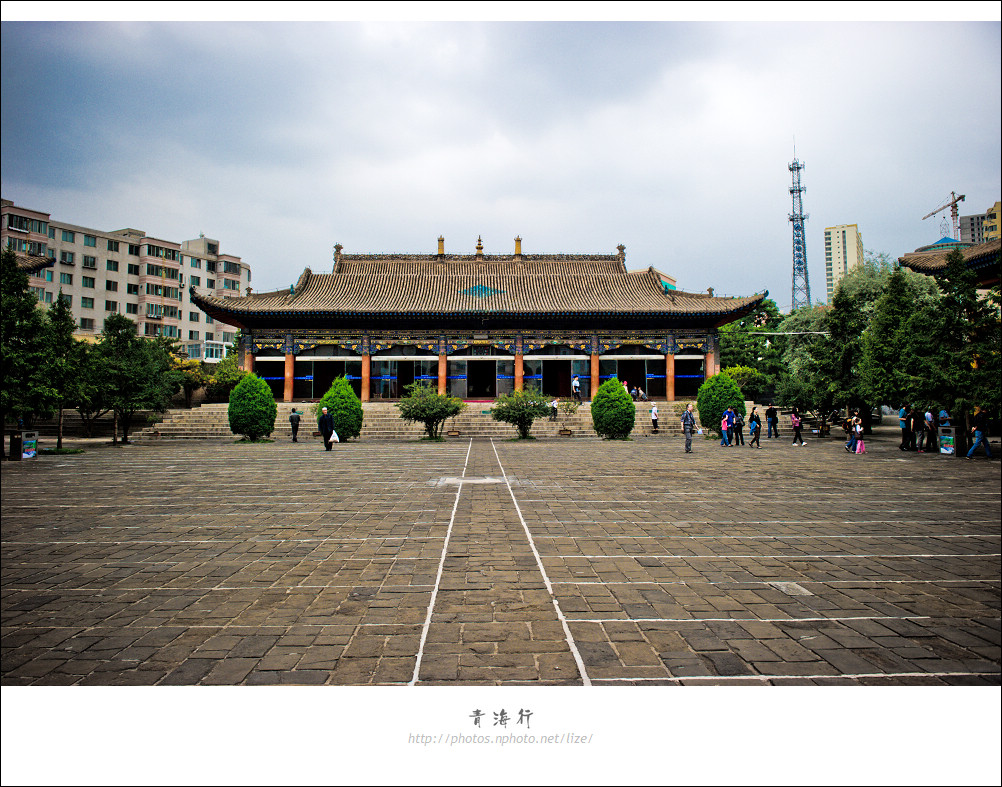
(107, 594)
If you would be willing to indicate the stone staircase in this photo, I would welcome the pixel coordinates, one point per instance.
(382, 421)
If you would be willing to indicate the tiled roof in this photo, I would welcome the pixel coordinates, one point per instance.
(416, 287)
(31, 263)
(933, 262)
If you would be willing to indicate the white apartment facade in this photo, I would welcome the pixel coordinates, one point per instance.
(843, 252)
(126, 271)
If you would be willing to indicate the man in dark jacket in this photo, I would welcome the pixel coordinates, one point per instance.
(325, 425)
(294, 422)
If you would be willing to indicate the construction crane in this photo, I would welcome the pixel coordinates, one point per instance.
(954, 212)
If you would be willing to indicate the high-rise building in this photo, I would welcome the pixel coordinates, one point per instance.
(991, 225)
(972, 228)
(843, 252)
(101, 272)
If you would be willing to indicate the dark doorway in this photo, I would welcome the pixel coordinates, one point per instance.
(557, 378)
(634, 373)
(324, 373)
(405, 376)
(481, 379)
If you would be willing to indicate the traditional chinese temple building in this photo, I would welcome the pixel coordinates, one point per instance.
(479, 326)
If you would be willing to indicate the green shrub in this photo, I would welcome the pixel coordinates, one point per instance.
(714, 397)
(520, 408)
(252, 408)
(612, 410)
(425, 405)
(344, 407)
(752, 382)
(224, 378)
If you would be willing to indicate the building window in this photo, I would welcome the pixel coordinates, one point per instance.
(86, 303)
(67, 299)
(231, 267)
(132, 289)
(210, 266)
(193, 335)
(210, 283)
(87, 323)
(88, 282)
(214, 351)
(39, 291)
(212, 248)
(228, 337)
(112, 265)
(196, 281)
(90, 240)
(133, 269)
(209, 337)
(66, 257)
(196, 263)
(113, 245)
(68, 237)
(65, 278)
(134, 249)
(193, 316)
(208, 320)
(194, 351)
(90, 262)
(132, 308)
(229, 284)
(52, 233)
(111, 306)
(46, 274)
(111, 286)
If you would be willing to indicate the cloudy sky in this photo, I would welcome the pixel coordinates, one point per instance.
(672, 138)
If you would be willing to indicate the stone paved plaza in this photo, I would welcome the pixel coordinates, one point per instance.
(496, 562)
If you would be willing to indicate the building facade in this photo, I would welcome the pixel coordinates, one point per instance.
(101, 272)
(479, 326)
(991, 223)
(843, 252)
(972, 228)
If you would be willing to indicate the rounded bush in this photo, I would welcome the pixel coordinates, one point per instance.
(344, 407)
(715, 396)
(613, 412)
(252, 408)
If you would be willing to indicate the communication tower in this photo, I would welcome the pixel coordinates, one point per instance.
(801, 284)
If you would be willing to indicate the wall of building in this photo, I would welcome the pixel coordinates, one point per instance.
(126, 271)
(843, 252)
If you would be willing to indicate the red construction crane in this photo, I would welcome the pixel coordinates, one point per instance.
(954, 212)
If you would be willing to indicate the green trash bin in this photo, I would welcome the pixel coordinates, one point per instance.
(947, 439)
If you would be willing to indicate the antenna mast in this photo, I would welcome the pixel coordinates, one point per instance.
(801, 285)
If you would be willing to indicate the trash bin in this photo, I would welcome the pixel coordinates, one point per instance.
(23, 445)
(946, 440)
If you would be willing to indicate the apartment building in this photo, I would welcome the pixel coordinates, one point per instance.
(991, 223)
(843, 252)
(125, 271)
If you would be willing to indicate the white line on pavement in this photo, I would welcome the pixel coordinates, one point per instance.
(539, 562)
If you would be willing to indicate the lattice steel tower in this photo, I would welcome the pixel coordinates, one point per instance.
(801, 284)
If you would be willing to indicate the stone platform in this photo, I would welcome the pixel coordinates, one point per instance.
(485, 562)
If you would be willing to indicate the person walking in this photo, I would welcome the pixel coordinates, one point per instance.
(738, 427)
(857, 432)
(850, 444)
(904, 418)
(325, 425)
(724, 437)
(755, 429)
(979, 428)
(553, 409)
(795, 422)
(688, 427)
(654, 418)
(772, 422)
(294, 422)
(576, 387)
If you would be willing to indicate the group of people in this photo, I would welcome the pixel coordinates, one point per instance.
(920, 429)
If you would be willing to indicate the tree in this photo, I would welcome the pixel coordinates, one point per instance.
(751, 381)
(63, 360)
(140, 376)
(613, 412)
(424, 405)
(751, 342)
(715, 396)
(192, 374)
(344, 407)
(224, 378)
(93, 398)
(520, 409)
(798, 384)
(24, 392)
(252, 408)
(836, 357)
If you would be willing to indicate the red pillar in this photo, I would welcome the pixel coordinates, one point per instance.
(593, 388)
(519, 372)
(366, 368)
(670, 377)
(442, 375)
(290, 371)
